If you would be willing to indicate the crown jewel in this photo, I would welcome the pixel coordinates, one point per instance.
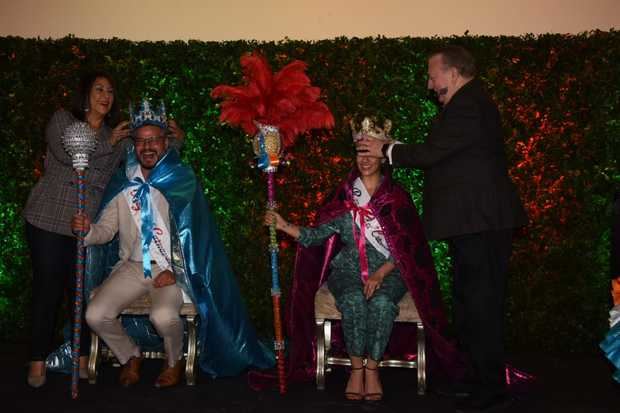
(147, 115)
(368, 128)
(79, 140)
(267, 147)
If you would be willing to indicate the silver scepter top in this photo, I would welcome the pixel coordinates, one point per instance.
(79, 140)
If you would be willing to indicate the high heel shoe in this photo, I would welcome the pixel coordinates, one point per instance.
(38, 380)
(372, 397)
(355, 396)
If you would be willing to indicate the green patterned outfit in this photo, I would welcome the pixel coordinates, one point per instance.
(366, 324)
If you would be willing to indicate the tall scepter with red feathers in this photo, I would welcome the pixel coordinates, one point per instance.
(274, 108)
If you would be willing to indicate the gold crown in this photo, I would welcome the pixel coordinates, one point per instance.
(368, 128)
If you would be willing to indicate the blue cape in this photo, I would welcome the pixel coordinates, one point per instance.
(227, 340)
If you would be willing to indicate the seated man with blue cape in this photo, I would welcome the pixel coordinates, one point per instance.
(155, 234)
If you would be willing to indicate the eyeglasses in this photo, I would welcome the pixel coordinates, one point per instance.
(150, 139)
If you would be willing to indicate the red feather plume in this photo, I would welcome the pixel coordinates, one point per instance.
(285, 99)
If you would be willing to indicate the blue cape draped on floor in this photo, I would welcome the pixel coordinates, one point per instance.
(228, 343)
(611, 344)
(611, 347)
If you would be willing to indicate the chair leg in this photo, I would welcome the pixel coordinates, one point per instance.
(190, 363)
(320, 354)
(93, 358)
(327, 333)
(421, 362)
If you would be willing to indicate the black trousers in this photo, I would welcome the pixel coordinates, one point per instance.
(53, 259)
(479, 298)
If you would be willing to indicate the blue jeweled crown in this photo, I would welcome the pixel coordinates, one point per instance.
(145, 115)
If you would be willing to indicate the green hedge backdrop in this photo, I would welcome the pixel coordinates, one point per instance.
(560, 100)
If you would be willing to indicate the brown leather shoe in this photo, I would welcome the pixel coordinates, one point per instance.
(36, 374)
(170, 376)
(130, 372)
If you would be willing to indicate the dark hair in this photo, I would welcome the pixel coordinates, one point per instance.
(80, 101)
(459, 58)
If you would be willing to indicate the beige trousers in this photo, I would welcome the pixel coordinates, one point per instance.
(124, 286)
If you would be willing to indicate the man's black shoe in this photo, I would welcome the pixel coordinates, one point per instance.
(489, 404)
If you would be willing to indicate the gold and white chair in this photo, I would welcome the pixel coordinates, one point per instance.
(325, 311)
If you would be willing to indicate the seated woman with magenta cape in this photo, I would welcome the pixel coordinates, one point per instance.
(370, 247)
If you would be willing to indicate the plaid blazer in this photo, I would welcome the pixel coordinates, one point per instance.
(53, 200)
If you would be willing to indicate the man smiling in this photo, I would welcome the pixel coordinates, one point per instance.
(168, 244)
(140, 215)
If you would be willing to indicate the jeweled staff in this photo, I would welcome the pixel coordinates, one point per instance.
(268, 147)
(79, 140)
(274, 108)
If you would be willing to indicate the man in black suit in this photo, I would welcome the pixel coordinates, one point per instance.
(469, 201)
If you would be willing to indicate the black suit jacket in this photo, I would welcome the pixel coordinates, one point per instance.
(466, 184)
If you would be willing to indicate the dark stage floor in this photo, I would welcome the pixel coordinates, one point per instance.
(571, 384)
